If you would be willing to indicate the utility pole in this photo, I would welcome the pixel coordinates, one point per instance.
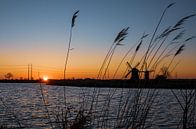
(28, 72)
(31, 72)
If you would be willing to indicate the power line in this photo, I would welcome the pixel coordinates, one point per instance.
(27, 71)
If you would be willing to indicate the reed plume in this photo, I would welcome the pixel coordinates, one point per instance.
(190, 38)
(178, 36)
(171, 5)
(161, 57)
(117, 42)
(138, 47)
(163, 33)
(181, 48)
(74, 18)
(181, 21)
(159, 37)
(159, 47)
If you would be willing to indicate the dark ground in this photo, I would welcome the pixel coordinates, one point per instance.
(166, 84)
(163, 84)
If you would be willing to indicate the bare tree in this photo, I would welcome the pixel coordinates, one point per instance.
(9, 76)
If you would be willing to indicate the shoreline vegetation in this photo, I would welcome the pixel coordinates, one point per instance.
(116, 83)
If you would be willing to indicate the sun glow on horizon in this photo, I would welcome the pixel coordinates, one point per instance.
(45, 78)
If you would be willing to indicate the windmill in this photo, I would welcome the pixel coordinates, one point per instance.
(147, 72)
(134, 72)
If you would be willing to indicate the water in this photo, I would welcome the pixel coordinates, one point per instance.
(23, 104)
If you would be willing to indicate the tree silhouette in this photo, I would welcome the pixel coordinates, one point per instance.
(9, 76)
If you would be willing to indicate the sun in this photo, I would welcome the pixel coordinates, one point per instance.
(45, 78)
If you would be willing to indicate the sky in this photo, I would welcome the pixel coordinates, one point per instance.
(37, 32)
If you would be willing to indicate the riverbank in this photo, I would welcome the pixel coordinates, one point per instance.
(19, 81)
(159, 84)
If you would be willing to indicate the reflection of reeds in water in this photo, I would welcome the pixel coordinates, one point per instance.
(13, 116)
(187, 102)
(45, 105)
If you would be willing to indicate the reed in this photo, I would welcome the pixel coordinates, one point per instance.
(160, 46)
(181, 48)
(105, 65)
(68, 50)
(70, 38)
(154, 33)
(136, 110)
(117, 42)
(168, 32)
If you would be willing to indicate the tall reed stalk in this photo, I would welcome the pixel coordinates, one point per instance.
(69, 44)
(155, 31)
(117, 42)
(68, 50)
(167, 32)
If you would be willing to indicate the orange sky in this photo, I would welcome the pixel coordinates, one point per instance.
(37, 33)
(80, 65)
